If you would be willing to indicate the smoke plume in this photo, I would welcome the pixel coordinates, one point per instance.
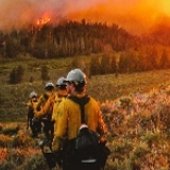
(134, 15)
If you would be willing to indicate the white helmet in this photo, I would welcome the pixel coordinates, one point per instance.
(49, 86)
(61, 82)
(76, 76)
(33, 94)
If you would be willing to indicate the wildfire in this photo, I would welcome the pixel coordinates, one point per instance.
(165, 7)
(43, 20)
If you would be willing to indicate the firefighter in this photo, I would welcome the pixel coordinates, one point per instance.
(51, 158)
(69, 119)
(61, 92)
(32, 122)
(45, 108)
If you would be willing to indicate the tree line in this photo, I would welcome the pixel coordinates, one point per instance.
(64, 40)
(130, 61)
(120, 51)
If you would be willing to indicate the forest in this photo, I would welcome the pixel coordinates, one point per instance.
(120, 51)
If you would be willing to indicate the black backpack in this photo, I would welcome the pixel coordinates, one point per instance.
(86, 144)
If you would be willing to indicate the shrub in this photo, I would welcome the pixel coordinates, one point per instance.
(5, 141)
(7, 165)
(23, 140)
(150, 137)
(36, 162)
(44, 73)
(11, 130)
(16, 75)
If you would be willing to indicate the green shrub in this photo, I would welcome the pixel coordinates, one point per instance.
(11, 130)
(140, 150)
(6, 141)
(150, 137)
(44, 73)
(7, 165)
(36, 162)
(16, 75)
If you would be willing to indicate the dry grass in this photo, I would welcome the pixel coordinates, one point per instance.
(136, 108)
(138, 136)
(139, 131)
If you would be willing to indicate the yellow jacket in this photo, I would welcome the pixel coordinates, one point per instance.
(69, 120)
(41, 101)
(47, 108)
(32, 104)
(55, 107)
(58, 98)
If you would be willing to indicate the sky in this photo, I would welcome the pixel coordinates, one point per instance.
(137, 16)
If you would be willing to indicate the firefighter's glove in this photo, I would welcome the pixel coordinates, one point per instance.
(56, 144)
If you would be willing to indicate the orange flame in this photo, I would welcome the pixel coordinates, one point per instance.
(43, 20)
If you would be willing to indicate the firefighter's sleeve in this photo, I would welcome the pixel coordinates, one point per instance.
(55, 108)
(60, 127)
(54, 113)
(45, 109)
(39, 103)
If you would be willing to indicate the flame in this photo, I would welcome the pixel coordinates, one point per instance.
(45, 19)
(136, 16)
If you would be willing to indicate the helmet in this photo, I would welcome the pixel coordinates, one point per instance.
(49, 86)
(61, 82)
(33, 94)
(76, 76)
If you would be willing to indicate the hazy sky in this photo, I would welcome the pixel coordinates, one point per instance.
(134, 15)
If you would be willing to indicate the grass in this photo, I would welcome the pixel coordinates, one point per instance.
(138, 136)
(13, 98)
(108, 87)
(133, 145)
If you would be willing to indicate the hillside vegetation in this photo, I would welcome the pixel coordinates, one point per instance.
(139, 135)
(129, 76)
(121, 51)
(13, 98)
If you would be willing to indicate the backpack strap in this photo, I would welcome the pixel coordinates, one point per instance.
(81, 102)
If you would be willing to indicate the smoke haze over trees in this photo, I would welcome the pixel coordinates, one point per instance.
(120, 50)
(136, 16)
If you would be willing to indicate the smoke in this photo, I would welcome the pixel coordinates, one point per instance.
(135, 15)
(21, 13)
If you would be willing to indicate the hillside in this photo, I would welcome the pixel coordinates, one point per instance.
(121, 50)
(66, 39)
(138, 135)
(13, 98)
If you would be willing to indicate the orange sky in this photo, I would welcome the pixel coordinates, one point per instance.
(136, 16)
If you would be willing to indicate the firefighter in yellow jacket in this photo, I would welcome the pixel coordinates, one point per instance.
(32, 122)
(69, 115)
(45, 109)
(61, 92)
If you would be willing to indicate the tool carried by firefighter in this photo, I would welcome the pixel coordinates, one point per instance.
(53, 159)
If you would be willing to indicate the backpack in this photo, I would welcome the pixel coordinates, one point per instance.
(86, 144)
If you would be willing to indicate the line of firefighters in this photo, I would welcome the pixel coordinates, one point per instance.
(59, 113)
(41, 110)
